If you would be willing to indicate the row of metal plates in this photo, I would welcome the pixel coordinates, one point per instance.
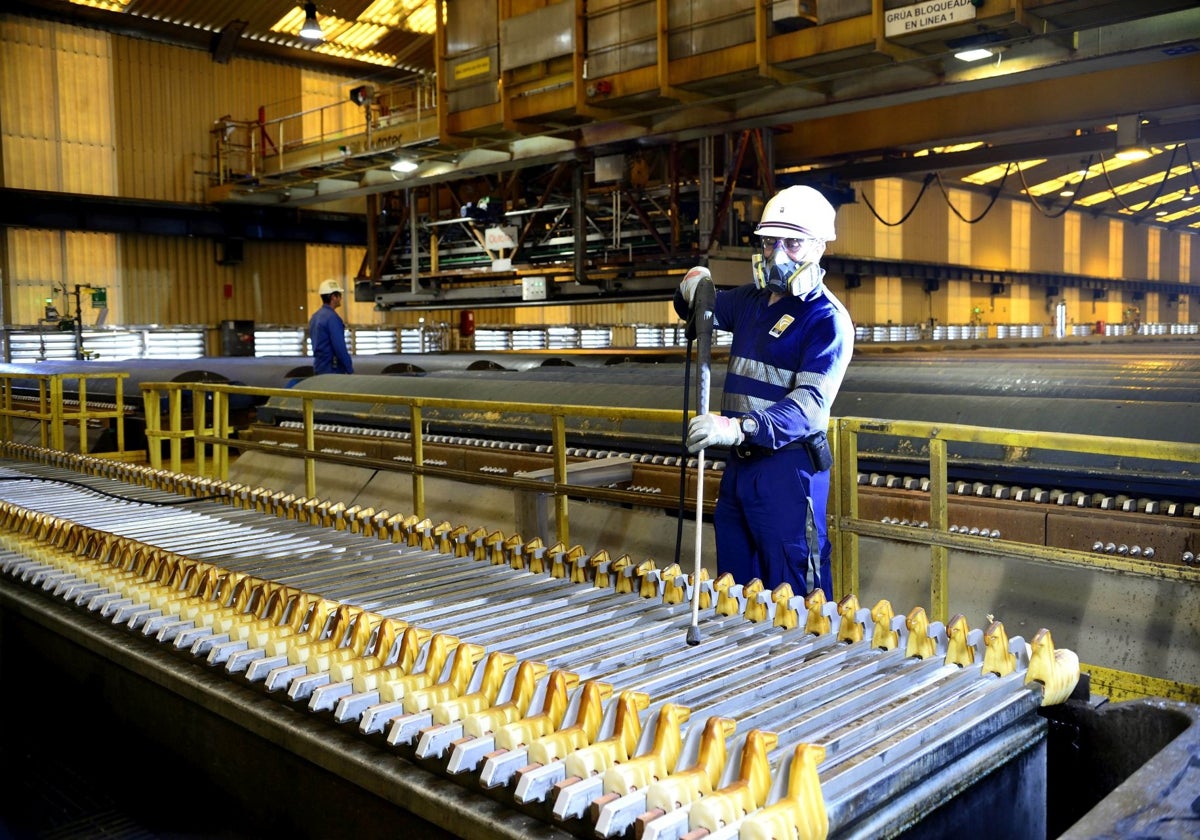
(596, 708)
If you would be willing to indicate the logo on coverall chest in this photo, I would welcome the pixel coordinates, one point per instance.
(781, 325)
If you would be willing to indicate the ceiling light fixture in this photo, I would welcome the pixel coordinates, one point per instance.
(312, 27)
(976, 54)
(1133, 153)
(1068, 190)
(404, 164)
(977, 46)
(1130, 146)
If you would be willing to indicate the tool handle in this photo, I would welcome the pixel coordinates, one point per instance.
(700, 325)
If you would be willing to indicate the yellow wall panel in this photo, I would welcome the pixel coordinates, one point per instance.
(83, 88)
(1136, 256)
(960, 233)
(26, 78)
(915, 304)
(890, 203)
(1093, 246)
(887, 306)
(27, 113)
(855, 226)
(1072, 243)
(1023, 307)
(38, 277)
(411, 317)
(169, 280)
(52, 265)
(167, 100)
(957, 308)
(91, 260)
(996, 238)
(923, 233)
(856, 300)
(1019, 225)
(30, 163)
(163, 111)
(1155, 240)
(1048, 245)
(340, 263)
(988, 308)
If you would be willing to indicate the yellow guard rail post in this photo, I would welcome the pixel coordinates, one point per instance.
(847, 526)
(51, 412)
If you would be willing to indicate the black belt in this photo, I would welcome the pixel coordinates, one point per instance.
(748, 451)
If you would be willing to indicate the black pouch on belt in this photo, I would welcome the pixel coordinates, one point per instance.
(818, 449)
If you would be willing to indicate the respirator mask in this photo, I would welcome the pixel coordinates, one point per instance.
(788, 266)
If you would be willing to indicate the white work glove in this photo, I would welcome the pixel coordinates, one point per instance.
(691, 280)
(705, 430)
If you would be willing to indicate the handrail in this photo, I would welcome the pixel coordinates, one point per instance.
(217, 434)
(211, 430)
(51, 413)
(847, 526)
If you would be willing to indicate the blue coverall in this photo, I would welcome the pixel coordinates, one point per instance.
(328, 335)
(786, 364)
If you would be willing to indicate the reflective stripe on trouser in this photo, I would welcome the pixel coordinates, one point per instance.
(770, 522)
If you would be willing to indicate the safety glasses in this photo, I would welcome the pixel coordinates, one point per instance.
(769, 243)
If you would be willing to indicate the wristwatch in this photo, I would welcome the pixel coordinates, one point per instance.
(749, 426)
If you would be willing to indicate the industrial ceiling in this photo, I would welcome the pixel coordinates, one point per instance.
(1042, 118)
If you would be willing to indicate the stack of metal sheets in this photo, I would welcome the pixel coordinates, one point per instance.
(558, 682)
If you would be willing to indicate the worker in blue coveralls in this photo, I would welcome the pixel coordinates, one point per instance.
(792, 341)
(328, 333)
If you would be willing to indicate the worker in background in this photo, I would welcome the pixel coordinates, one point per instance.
(328, 333)
(792, 341)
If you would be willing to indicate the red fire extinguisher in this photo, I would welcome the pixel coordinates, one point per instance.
(466, 323)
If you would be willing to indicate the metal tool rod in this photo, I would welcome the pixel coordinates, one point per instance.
(703, 300)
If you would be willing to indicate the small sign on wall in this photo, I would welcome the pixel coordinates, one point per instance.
(909, 19)
(472, 67)
(500, 238)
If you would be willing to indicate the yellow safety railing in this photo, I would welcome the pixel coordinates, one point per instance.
(217, 435)
(847, 526)
(213, 436)
(50, 410)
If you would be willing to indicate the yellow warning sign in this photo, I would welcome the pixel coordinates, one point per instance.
(474, 67)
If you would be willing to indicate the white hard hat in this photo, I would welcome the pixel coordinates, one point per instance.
(798, 212)
(330, 286)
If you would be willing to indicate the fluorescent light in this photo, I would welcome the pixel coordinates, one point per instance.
(976, 54)
(404, 165)
(1133, 153)
(311, 28)
(1129, 138)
